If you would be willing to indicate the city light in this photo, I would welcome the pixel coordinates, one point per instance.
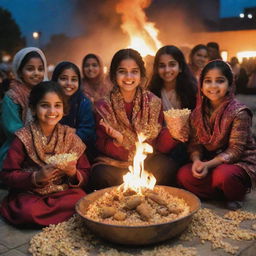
(36, 35)
(245, 54)
(224, 55)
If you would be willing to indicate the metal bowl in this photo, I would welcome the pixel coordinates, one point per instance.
(139, 235)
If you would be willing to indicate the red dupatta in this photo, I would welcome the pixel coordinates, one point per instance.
(145, 115)
(213, 129)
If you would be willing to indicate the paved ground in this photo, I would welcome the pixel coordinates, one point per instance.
(15, 242)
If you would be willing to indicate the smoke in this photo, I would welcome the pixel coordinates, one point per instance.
(107, 24)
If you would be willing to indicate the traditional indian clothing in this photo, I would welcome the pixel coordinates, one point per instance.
(28, 202)
(143, 115)
(98, 87)
(15, 111)
(224, 133)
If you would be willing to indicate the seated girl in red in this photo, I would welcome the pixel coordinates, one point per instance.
(127, 111)
(42, 193)
(222, 149)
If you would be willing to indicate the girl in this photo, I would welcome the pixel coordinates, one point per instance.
(197, 59)
(80, 114)
(95, 84)
(172, 80)
(222, 150)
(126, 112)
(41, 193)
(29, 68)
(174, 83)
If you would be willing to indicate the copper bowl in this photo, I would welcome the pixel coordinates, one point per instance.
(139, 235)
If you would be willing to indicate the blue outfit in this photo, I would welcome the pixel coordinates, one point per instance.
(81, 118)
(10, 123)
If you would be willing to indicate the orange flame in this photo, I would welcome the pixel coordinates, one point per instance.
(143, 34)
(137, 178)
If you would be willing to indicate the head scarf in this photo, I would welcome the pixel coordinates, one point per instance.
(19, 56)
(98, 87)
(18, 91)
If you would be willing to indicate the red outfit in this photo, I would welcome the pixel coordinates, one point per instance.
(222, 134)
(105, 144)
(143, 115)
(232, 180)
(23, 205)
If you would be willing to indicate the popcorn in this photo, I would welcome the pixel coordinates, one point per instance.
(177, 123)
(60, 160)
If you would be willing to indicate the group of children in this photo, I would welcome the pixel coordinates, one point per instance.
(99, 119)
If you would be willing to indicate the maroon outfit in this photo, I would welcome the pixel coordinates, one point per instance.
(225, 133)
(144, 115)
(26, 204)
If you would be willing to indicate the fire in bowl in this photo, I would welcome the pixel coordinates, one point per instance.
(142, 234)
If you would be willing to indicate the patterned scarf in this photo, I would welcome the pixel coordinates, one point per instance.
(145, 114)
(63, 140)
(212, 129)
(98, 87)
(19, 93)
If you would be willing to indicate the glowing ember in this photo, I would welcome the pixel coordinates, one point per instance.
(137, 178)
(143, 34)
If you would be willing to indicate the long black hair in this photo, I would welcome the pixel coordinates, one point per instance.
(186, 84)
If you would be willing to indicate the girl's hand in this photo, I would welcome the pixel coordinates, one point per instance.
(69, 169)
(46, 174)
(112, 132)
(199, 169)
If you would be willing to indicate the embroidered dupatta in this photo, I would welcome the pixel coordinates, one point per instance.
(19, 93)
(145, 114)
(63, 140)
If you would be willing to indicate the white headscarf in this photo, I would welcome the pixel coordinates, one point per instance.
(19, 56)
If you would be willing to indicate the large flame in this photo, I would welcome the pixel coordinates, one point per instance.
(143, 34)
(137, 178)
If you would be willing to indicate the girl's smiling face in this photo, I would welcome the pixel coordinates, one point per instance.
(49, 111)
(168, 68)
(215, 86)
(33, 72)
(69, 81)
(91, 68)
(128, 75)
(200, 58)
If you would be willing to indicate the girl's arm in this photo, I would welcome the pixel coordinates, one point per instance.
(86, 124)
(237, 143)
(10, 117)
(240, 131)
(107, 145)
(12, 174)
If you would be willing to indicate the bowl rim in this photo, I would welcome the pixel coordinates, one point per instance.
(141, 226)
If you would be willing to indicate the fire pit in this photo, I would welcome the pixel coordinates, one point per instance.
(139, 234)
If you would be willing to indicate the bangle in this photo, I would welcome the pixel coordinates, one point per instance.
(33, 177)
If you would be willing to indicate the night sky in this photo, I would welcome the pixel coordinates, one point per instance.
(57, 16)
